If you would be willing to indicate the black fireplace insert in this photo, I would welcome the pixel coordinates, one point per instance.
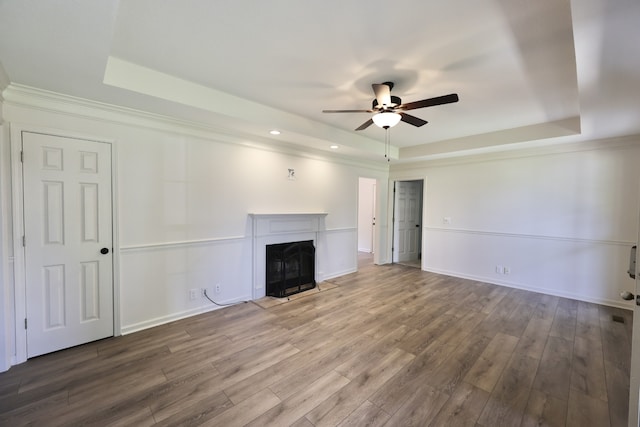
(290, 268)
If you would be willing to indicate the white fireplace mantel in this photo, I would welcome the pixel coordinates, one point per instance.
(274, 228)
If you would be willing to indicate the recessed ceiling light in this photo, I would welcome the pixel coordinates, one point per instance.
(274, 132)
(334, 147)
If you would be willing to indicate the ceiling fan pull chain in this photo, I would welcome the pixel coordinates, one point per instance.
(387, 148)
(386, 136)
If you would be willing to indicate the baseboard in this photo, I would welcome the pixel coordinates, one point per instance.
(128, 329)
(547, 291)
(339, 273)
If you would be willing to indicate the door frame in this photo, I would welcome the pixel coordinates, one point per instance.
(634, 374)
(392, 212)
(19, 262)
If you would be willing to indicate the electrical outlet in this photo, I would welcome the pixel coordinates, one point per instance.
(499, 269)
(202, 291)
(217, 288)
(506, 270)
(193, 294)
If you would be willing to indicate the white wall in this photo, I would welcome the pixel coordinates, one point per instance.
(184, 222)
(562, 222)
(183, 199)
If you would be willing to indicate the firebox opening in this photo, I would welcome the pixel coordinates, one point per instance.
(290, 268)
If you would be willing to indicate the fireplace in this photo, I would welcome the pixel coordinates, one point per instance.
(290, 268)
(278, 228)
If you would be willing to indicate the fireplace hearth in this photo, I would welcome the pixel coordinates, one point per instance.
(290, 268)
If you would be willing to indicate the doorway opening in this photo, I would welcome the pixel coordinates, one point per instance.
(366, 216)
(406, 246)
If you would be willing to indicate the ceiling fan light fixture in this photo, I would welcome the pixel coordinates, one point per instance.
(387, 119)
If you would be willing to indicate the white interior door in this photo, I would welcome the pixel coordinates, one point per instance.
(68, 241)
(408, 208)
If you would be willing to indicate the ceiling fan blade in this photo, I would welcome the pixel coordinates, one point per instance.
(365, 125)
(438, 100)
(412, 120)
(383, 94)
(347, 111)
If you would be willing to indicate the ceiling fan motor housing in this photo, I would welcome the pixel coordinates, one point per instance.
(395, 101)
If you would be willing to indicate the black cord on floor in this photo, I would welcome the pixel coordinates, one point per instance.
(221, 305)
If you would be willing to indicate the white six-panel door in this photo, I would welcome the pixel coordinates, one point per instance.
(67, 220)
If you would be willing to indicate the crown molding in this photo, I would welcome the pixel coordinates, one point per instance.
(525, 150)
(18, 95)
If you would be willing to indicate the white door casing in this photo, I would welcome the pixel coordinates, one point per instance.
(407, 221)
(634, 380)
(67, 222)
(373, 218)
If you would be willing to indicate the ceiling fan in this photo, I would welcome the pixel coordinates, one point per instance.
(389, 109)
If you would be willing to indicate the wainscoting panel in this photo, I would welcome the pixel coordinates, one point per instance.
(583, 269)
(157, 280)
(339, 252)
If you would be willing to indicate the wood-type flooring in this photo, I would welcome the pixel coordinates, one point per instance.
(389, 345)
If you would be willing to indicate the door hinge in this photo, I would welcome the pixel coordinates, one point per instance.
(24, 241)
(22, 156)
(25, 323)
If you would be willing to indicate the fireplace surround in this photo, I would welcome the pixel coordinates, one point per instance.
(276, 228)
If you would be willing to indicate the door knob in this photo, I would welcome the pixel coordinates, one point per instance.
(104, 251)
(627, 296)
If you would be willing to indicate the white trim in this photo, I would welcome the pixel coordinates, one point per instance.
(6, 251)
(17, 95)
(115, 238)
(18, 249)
(547, 291)
(18, 229)
(181, 243)
(391, 207)
(513, 152)
(532, 236)
(211, 241)
(339, 273)
(340, 230)
(128, 329)
(271, 228)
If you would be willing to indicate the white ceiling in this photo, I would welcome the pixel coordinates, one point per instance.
(526, 72)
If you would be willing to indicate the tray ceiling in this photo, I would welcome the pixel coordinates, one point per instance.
(527, 73)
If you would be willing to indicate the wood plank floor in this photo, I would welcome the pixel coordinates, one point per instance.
(389, 345)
